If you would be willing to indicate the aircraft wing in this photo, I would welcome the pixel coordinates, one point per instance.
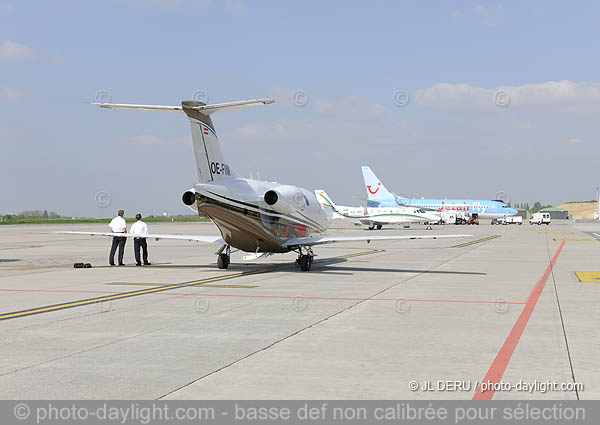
(332, 239)
(194, 238)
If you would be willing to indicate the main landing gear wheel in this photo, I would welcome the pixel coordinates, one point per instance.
(379, 226)
(224, 258)
(371, 227)
(305, 262)
(305, 259)
(222, 261)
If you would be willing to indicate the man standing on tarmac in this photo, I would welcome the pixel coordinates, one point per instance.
(140, 228)
(117, 225)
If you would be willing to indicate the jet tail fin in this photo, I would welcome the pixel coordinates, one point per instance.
(327, 204)
(210, 162)
(376, 191)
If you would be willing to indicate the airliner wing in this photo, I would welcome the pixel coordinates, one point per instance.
(325, 240)
(193, 238)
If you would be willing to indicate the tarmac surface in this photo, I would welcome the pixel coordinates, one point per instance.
(505, 306)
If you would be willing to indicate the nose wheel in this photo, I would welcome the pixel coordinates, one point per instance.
(224, 258)
(305, 258)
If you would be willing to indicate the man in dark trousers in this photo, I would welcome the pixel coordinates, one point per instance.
(140, 228)
(118, 225)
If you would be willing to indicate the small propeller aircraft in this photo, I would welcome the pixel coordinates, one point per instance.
(258, 217)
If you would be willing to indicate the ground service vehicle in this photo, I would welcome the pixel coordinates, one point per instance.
(540, 218)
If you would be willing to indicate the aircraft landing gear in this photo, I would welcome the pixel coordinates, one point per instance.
(379, 226)
(224, 258)
(371, 227)
(305, 259)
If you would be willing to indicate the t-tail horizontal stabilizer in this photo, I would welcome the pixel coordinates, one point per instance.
(210, 161)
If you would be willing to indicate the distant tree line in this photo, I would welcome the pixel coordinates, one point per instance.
(40, 214)
(536, 207)
(523, 206)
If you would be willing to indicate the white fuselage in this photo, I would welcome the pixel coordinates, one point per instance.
(386, 215)
(238, 207)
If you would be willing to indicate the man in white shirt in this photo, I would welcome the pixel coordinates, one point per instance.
(139, 228)
(117, 225)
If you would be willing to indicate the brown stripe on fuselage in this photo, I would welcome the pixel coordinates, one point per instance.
(248, 230)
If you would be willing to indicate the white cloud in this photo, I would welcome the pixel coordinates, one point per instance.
(576, 140)
(13, 51)
(10, 94)
(349, 106)
(490, 16)
(464, 96)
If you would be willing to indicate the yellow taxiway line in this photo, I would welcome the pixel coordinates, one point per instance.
(477, 241)
(62, 306)
(164, 284)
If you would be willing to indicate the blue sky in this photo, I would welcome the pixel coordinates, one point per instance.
(353, 60)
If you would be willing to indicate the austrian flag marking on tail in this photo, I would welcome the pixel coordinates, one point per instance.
(204, 130)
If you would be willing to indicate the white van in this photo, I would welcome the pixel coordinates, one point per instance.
(448, 217)
(513, 219)
(540, 218)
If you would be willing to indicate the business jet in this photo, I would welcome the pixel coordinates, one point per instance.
(258, 217)
(376, 216)
(378, 195)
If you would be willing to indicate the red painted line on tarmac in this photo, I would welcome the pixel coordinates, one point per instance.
(496, 371)
(267, 296)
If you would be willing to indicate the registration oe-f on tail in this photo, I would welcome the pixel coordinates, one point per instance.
(254, 216)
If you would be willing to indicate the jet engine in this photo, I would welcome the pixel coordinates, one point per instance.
(189, 198)
(286, 199)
